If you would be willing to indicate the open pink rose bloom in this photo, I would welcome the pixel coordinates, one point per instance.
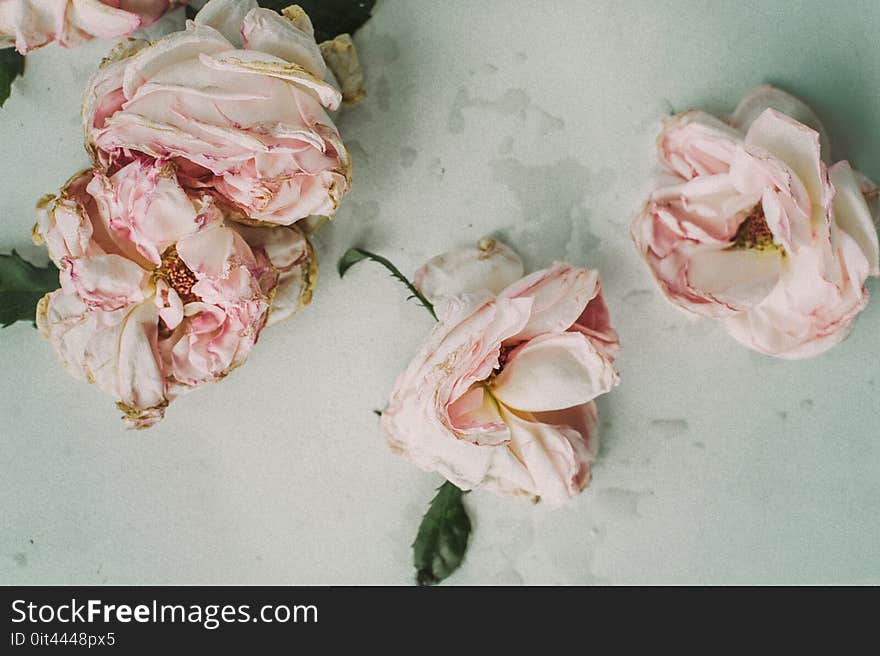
(30, 24)
(754, 228)
(501, 396)
(237, 102)
(162, 289)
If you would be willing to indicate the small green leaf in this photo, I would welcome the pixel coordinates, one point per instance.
(330, 18)
(354, 255)
(22, 285)
(443, 536)
(11, 66)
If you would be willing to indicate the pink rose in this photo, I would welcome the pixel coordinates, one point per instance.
(753, 228)
(501, 394)
(30, 24)
(236, 102)
(161, 290)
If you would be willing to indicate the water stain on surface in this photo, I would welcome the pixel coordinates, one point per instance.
(670, 427)
(513, 102)
(364, 212)
(408, 156)
(553, 198)
(383, 94)
(620, 502)
(20, 559)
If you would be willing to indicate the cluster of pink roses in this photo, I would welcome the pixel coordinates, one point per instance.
(749, 225)
(182, 243)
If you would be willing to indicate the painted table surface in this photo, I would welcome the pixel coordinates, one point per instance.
(533, 122)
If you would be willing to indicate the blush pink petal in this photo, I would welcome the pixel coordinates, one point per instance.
(696, 144)
(490, 266)
(558, 294)
(267, 31)
(853, 215)
(226, 16)
(109, 282)
(554, 371)
(557, 457)
(765, 97)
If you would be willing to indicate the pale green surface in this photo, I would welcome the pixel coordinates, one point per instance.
(535, 121)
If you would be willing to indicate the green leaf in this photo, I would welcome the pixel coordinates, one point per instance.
(22, 285)
(11, 66)
(443, 536)
(330, 18)
(354, 255)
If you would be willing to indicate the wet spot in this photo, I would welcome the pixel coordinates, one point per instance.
(782, 414)
(670, 427)
(807, 404)
(513, 102)
(620, 502)
(408, 156)
(365, 212)
(383, 94)
(20, 559)
(550, 195)
(387, 48)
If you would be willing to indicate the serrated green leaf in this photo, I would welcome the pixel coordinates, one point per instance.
(330, 18)
(443, 536)
(22, 285)
(354, 255)
(11, 66)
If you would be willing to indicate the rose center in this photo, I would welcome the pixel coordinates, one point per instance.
(754, 232)
(178, 276)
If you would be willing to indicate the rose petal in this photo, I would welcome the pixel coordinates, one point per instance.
(490, 266)
(765, 97)
(798, 147)
(554, 371)
(851, 213)
(267, 31)
(559, 295)
(738, 277)
(226, 16)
